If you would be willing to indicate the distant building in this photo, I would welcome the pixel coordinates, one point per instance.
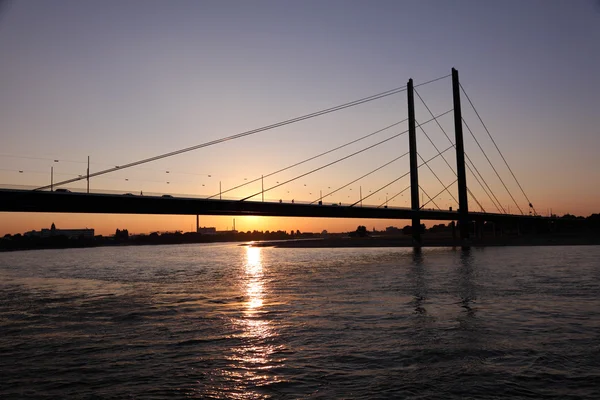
(70, 233)
(208, 230)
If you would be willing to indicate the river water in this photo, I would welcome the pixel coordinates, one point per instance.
(235, 322)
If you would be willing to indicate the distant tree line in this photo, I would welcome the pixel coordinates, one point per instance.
(122, 237)
(567, 224)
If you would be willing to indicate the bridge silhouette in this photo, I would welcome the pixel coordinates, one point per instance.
(54, 198)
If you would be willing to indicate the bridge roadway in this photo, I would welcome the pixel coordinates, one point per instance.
(12, 200)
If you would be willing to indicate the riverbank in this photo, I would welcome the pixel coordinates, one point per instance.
(329, 242)
(406, 241)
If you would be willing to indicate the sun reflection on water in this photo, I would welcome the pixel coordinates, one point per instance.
(254, 279)
(253, 362)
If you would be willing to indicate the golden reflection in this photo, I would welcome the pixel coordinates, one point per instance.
(252, 365)
(255, 358)
(253, 260)
(254, 281)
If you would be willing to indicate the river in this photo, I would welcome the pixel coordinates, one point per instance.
(225, 321)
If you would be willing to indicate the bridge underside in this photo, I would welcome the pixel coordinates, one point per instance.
(57, 202)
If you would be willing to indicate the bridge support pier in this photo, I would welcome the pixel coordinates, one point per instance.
(480, 229)
(453, 225)
(414, 173)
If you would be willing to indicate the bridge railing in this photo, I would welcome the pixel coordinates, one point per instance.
(325, 202)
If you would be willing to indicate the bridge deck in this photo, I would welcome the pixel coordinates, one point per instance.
(60, 202)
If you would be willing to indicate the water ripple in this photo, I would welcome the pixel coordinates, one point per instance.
(230, 322)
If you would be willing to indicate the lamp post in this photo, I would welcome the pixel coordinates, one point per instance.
(360, 194)
(88, 175)
(52, 177)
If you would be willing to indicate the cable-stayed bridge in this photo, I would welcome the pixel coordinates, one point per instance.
(424, 204)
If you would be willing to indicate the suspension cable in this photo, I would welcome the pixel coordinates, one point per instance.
(492, 165)
(396, 195)
(451, 169)
(247, 133)
(475, 198)
(402, 176)
(434, 174)
(495, 145)
(442, 191)
(438, 150)
(308, 159)
(239, 135)
(430, 199)
(358, 179)
(336, 161)
(496, 203)
(467, 156)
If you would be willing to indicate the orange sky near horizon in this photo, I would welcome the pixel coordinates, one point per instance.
(106, 224)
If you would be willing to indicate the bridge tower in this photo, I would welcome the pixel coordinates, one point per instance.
(414, 168)
(463, 206)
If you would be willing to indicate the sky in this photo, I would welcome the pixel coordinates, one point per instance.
(120, 81)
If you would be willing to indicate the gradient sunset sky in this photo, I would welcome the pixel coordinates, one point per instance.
(120, 81)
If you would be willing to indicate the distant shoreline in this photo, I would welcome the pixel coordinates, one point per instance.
(406, 241)
(352, 242)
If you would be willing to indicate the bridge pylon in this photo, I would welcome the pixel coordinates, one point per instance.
(414, 167)
(463, 206)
